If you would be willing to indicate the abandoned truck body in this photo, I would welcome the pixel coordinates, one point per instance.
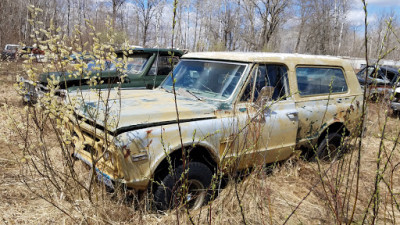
(395, 103)
(143, 68)
(236, 110)
(381, 80)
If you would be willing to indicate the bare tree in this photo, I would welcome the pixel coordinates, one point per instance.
(146, 10)
(303, 6)
(249, 33)
(116, 4)
(270, 12)
(229, 11)
(314, 27)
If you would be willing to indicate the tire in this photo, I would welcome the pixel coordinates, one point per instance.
(395, 113)
(328, 149)
(168, 193)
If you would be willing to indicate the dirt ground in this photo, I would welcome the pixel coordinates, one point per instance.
(266, 198)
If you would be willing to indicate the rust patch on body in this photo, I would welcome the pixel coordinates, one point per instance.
(127, 153)
(151, 141)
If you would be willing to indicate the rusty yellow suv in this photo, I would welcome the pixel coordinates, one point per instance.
(232, 111)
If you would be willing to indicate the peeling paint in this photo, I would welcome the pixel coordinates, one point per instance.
(234, 132)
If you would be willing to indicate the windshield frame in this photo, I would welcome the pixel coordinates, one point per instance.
(243, 77)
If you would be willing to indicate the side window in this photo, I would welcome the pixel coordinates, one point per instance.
(315, 80)
(268, 82)
(276, 77)
(371, 70)
(375, 73)
(390, 75)
(162, 65)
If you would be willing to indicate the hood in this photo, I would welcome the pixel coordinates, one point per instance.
(70, 77)
(57, 75)
(137, 109)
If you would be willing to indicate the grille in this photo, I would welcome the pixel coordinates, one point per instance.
(90, 150)
(90, 135)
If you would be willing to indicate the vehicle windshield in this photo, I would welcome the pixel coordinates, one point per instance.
(206, 79)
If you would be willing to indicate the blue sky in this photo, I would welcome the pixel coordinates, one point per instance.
(374, 7)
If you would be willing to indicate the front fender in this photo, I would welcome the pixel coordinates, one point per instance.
(158, 142)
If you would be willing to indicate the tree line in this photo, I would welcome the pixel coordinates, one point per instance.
(294, 26)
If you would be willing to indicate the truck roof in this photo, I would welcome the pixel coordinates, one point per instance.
(259, 57)
(162, 51)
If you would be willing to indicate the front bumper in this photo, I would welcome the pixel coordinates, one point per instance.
(113, 170)
(102, 177)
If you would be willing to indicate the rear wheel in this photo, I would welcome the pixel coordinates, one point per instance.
(330, 148)
(175, 190)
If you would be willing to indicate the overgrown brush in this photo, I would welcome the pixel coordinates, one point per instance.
(361, 186)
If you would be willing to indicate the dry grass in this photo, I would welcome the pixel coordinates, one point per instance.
(267, 198)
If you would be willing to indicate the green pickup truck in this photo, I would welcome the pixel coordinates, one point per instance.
(143, 68)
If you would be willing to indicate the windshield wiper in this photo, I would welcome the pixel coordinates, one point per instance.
(161, 87)
(190, 92)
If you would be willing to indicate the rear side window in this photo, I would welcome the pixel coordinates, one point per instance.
(317, 80)
(390, 75)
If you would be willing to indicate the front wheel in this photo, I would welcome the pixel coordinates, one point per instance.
(190, 188)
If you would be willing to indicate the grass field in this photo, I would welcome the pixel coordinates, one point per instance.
(265, 198)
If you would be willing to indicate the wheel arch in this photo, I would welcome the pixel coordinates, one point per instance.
(338, 127)
(199, 152)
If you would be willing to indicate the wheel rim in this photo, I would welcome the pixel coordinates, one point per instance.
(195, 195)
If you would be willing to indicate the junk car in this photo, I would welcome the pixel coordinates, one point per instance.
(145, 68)
(10, 52)
(236, 111)
(380, 79)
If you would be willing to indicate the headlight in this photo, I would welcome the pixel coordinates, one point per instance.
(107, 155)
(63, 93)
(134, 155)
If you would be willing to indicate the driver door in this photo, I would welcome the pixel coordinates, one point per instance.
(266, 118)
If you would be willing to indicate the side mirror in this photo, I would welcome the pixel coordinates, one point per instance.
(265, 95)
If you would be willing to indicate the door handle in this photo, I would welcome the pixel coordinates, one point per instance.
(292, 115)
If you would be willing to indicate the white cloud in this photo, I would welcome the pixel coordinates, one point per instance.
(385, 3)
(381, 4)
(356, 17)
